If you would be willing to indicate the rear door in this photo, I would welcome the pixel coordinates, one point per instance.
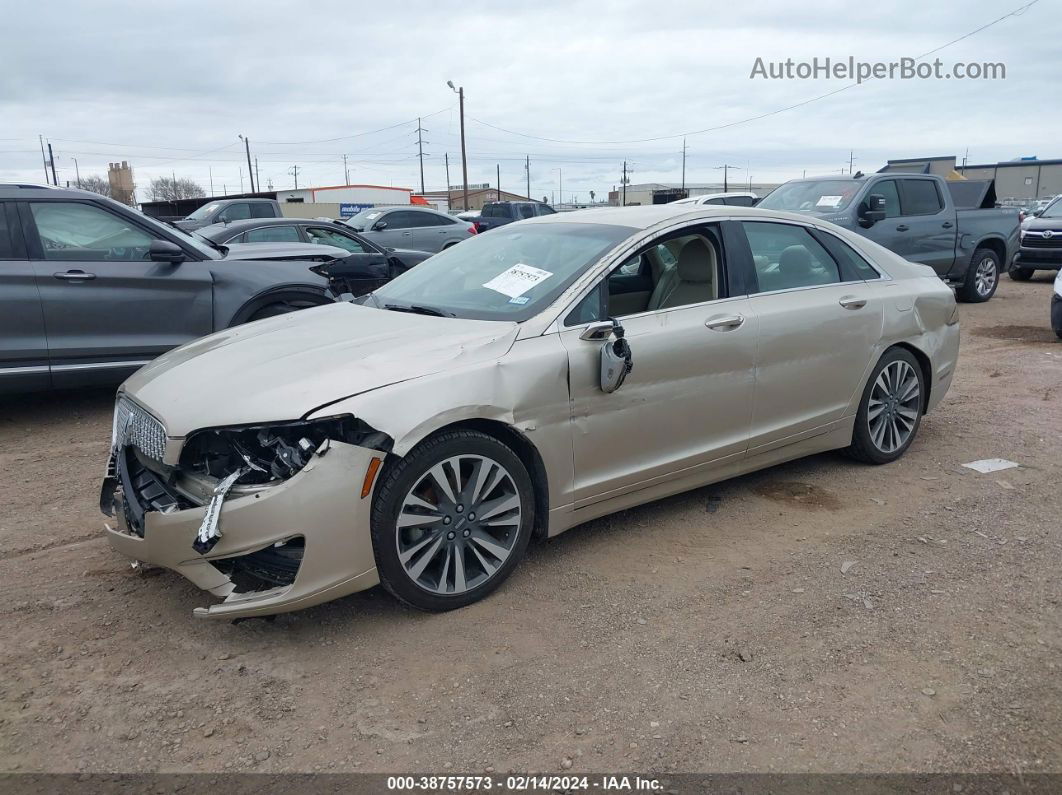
(23, 346)
(108, 309)
(930, 224)
(435, 232)
(819, 327)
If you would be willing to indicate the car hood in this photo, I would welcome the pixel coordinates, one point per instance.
(1040, 224)
(244, 251)
(285, 367)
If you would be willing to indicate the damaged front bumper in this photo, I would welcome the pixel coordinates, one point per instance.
(307, 536)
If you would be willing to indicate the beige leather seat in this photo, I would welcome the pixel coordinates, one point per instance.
(691, 281)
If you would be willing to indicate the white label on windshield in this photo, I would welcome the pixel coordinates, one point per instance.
(370, 216)
(517, 280)
(829, 201)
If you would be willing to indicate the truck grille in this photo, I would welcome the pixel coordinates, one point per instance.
(134, 426)
(1037, 240)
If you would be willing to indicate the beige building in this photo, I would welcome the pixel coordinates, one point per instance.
(120, 178)
(1014, 179)
(453, 200)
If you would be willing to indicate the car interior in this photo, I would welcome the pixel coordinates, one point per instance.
(677, 272)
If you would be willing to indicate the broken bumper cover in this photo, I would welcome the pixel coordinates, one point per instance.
(321, 504)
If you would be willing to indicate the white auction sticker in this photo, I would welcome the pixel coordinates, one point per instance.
(517, 280)
(829, 201)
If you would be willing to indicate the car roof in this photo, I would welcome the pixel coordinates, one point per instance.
(649, 215)
(21, 190)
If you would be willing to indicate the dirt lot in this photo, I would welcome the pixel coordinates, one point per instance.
(710, 631)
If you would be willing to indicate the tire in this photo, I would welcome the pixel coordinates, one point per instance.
(451, 244)
(443, 564)
(284, 306)
(982, 277)
(1021, 274)
(870, 443)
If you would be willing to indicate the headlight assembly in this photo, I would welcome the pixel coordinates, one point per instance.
(274, 451)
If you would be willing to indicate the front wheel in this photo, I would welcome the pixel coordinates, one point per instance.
(982, 277)
(451, 520)
(284, 307)
(890, 410)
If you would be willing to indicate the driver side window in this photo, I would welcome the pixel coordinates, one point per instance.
(78, 232)
(680, 270)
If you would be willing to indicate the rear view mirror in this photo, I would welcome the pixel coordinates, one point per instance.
(872, 210)
(165, 251)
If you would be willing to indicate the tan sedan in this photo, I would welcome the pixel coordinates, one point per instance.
(553, 371)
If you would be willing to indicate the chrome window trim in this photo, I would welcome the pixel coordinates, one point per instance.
(98, 365)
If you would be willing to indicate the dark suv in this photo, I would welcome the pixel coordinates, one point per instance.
(495, 214)
(90, 290)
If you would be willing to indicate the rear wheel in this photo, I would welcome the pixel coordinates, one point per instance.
(1021, 274)
(451, 520)
(890, 410)
(982, 277)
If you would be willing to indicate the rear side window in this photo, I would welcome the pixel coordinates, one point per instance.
(853, 266)
(920, 197)
(545, 209)
(492, 211)
(7, 248)
(741, 201)
(273, 234)
(263, 210)
(715, 201)
(526, 211)
(786, 256)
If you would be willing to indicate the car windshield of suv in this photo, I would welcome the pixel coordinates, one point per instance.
(816, 196)
(513, 273)
(1053, 210)
(364, 220)
(202, 212)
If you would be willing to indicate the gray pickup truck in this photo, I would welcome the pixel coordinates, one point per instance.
(225, 210)
(914, 215)
(495, 214)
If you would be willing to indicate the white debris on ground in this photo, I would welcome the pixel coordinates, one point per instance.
(986, 465)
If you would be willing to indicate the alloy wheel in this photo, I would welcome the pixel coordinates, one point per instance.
(895, 402)
(985, 276)
(458, 524)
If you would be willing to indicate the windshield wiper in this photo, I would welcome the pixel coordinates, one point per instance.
(419, 310)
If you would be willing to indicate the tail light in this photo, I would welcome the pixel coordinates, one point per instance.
(474, 229)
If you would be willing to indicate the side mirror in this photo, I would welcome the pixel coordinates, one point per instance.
(356, 274)
(165, 251)
(872, 210)
(616, 358)
(1036, 213)
(379, 225)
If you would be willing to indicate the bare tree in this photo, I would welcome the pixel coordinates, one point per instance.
(96, 184)
(591, 197)
(167, 189)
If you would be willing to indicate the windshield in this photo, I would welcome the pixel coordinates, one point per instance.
(816, 196)
(511, 273)
(1053, 210)
(363, 220)
(202, 212)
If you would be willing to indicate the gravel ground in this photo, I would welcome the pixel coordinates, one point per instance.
(819, 616)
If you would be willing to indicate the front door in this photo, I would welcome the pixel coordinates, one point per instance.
(686, 405)
(107, 308)
(23, 347)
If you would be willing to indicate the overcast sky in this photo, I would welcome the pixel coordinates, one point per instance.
(169, 87)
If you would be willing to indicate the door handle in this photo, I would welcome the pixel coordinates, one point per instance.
(724, 323)
(851, 302)
(74, 276)
(902, 228)
(947, 224)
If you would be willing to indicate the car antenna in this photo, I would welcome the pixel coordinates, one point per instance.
(857, 175)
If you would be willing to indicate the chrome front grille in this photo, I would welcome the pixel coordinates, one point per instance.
(1032, 239)
(134, 426)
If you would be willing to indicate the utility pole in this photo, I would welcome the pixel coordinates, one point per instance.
(963, 169)
(446, 159)
(527, 168)
(77, 171)
(623, 182)
(241, 181)
(346, 173)
(250, 171)
(851, 160)
(497, 179)
(257, 179)
(683, 168)
(295, 171)
(44, 160)
(210, 172)
(420, 153)
(464, 157)
(726, 174)
(51, 159)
